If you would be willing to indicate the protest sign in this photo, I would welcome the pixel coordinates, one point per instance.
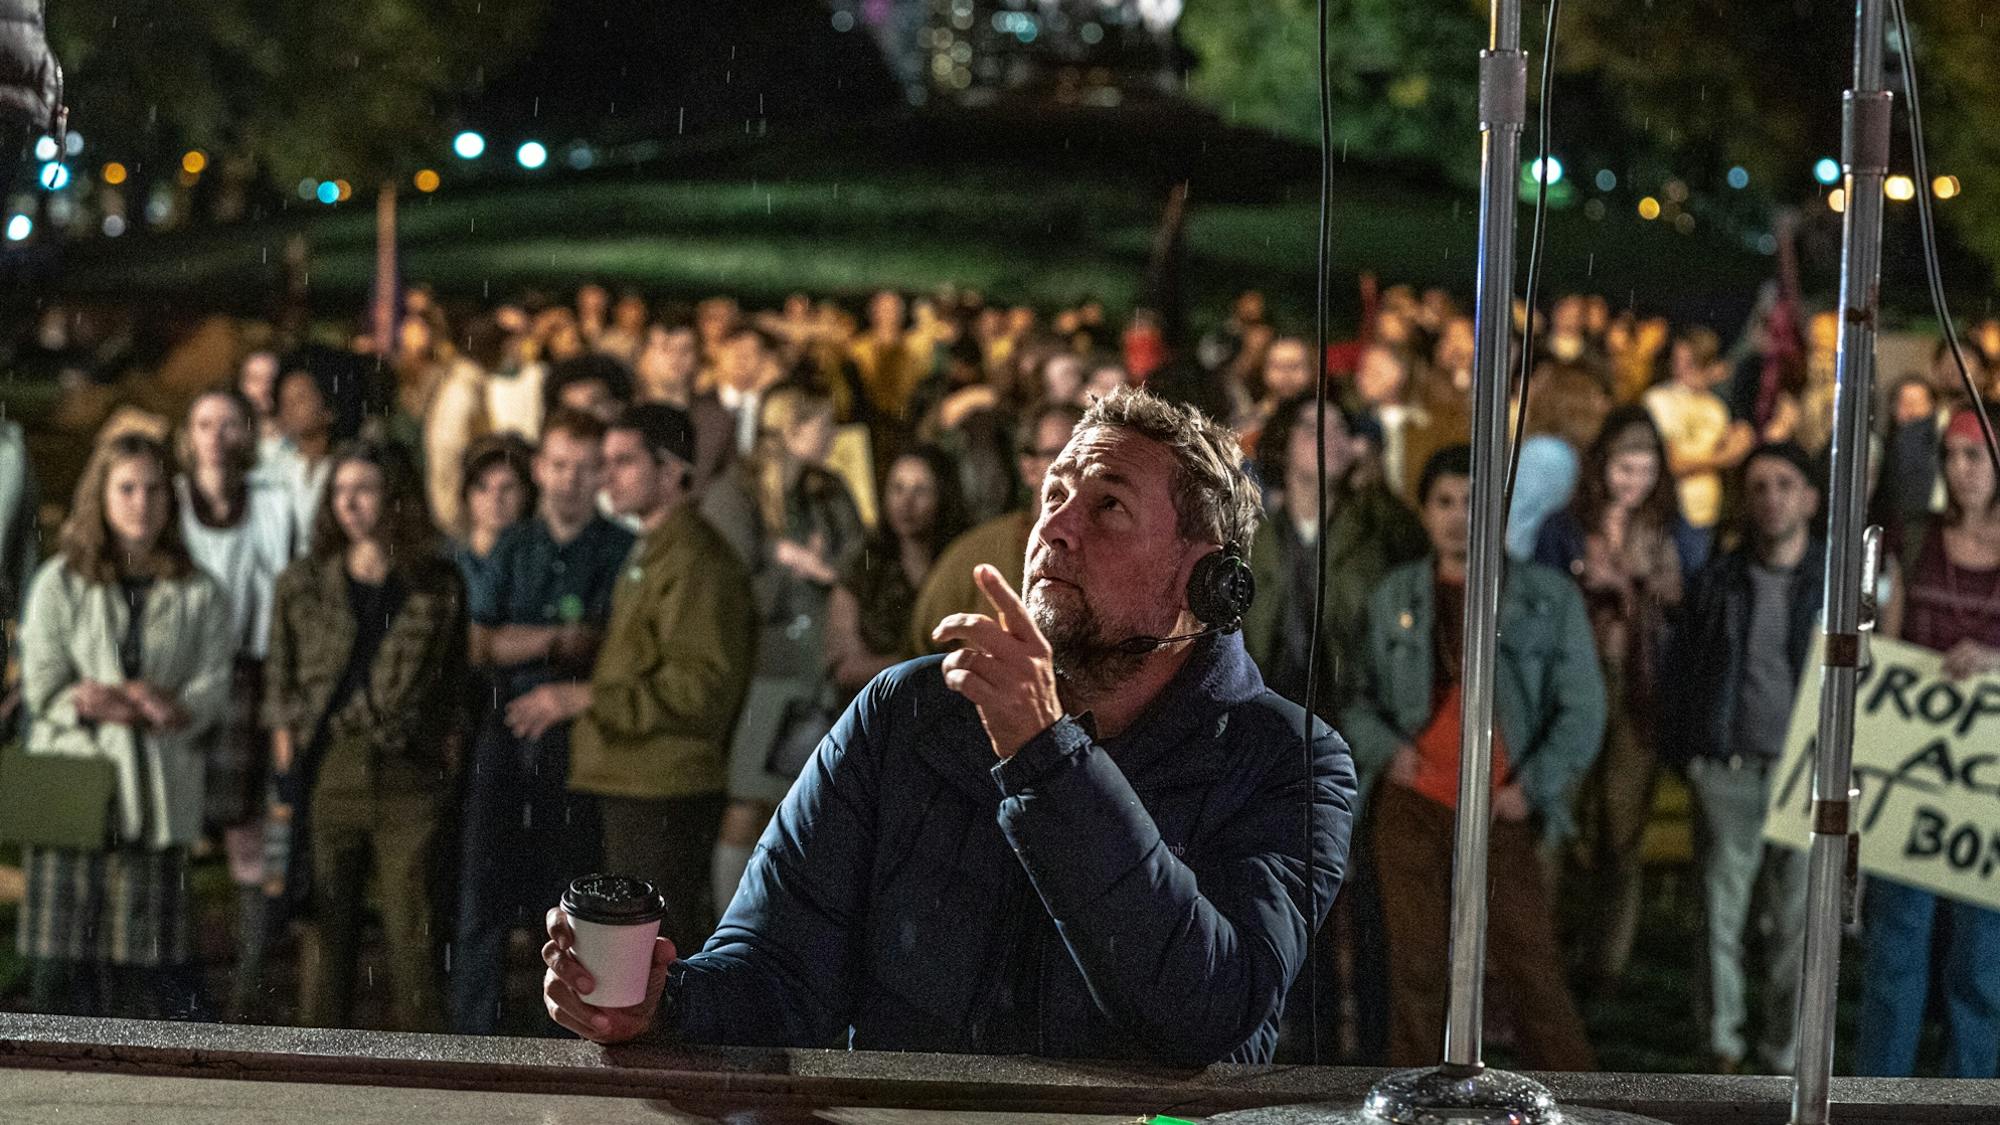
(1927, 764)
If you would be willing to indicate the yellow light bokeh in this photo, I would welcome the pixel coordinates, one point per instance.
(1945, 187)
(1649, 208)
(194, 162)
(427, 181)
(1837, 200)
(1902, 189)
(346, 190)
(113, 174)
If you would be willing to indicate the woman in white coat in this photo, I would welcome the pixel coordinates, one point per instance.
(125, 653)
(238, 527)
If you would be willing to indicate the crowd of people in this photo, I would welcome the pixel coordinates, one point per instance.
(552, 586)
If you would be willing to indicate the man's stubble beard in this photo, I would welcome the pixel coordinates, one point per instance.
(1087, 660)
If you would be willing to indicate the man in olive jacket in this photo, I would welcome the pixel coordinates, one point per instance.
(653, 724)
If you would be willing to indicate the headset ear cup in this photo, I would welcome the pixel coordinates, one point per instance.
(1220, 588)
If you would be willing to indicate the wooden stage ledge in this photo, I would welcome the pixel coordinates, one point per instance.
(82, 1072)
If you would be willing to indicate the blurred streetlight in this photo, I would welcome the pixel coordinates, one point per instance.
(54, 176)
(1837, 200)
(19, 227)
(1944, 187)
(1902, 189)
(194, 162)
(469, 145)
(1554, 170)
(1827, 171)
(427, 181)
(1649, 208)
(532, 155)
(113, 174)
(1739, 177)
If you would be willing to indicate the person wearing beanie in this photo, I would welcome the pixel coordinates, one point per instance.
(1737, 658)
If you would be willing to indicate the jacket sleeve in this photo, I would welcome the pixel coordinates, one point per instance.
(205, 694)
(1371, 731)
(48, 676)
(1191, 960)
(22, 553)
(692, 681)
(781, 967)
(282, 704)
(1678, 723)
(1573, 729)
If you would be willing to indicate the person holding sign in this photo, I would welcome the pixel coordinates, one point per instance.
(1949, 601)
(1737, 659)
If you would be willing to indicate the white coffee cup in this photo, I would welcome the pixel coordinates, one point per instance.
(616, 919)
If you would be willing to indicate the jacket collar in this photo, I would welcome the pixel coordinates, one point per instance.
(669, 531)
(1218, 675)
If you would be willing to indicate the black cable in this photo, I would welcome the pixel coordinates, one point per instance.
(1319, 538)
(1542, 129)
(1933, 272)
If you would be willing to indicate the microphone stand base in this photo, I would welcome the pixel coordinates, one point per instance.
(1441, 1095)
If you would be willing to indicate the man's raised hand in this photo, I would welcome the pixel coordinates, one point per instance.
(1003, 665)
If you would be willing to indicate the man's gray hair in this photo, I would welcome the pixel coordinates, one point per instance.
(1214, 500)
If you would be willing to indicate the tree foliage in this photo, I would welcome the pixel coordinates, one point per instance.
(1404, 78)
(1687, 88)
(1958, 67)
(360, 89)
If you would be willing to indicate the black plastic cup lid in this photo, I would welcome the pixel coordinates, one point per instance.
(613, 900)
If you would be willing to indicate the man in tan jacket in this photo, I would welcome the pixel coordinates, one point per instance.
(653, 724)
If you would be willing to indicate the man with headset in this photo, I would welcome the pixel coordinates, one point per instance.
(1080, 834)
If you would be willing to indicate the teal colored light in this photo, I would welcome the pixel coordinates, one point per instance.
(532, 155)
(468, 145)
(54, 176)
(1827, 171)
(1606, 179)
(19, 227)
(1739, 177)
(328, 192)
(1555, 170)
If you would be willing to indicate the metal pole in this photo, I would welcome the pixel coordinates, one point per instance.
(1865, 152)
(1503, 109)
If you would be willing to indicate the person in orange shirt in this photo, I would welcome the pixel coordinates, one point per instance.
(1548, 725)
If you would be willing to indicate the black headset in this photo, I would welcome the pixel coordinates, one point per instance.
(1221, 588)
(1219, 592)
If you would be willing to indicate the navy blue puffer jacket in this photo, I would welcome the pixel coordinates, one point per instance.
(1141, 897)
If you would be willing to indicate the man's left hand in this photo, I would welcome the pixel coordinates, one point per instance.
(533, 714)
(1004, 666)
